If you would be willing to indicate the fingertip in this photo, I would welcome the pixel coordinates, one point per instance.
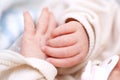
(44, 12)
(29, 27)
(57, 62)
(51, 14)
(54, 33)
(25, 13)
(50, 43)
(49, 60)
(27, 16)
(43, 48)
(58, 31)
(45, 9)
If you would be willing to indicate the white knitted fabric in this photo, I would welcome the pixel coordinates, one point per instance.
(13, 66)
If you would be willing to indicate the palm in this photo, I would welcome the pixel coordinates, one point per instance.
(34, 38)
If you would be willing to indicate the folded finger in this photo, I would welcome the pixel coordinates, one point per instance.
(63, 29)
(67, 62)
(63, 41)
(62, 52)
(66, 28)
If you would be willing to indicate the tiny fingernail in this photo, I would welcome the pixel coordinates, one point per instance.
(45, 8)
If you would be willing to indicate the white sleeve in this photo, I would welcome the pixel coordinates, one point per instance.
(16, 67)
(96, 17)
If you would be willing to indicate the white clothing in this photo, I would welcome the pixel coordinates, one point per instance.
(13, 66)
(101, 71)
(101, 21)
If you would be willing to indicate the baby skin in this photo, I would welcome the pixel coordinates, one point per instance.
(63, 45)
(115, 74)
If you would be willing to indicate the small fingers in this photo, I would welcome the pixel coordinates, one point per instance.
(43, 21)
(63, 41)
(29, 27)
(64, 29)
(62, 52)
(52, 25)
(67, 62)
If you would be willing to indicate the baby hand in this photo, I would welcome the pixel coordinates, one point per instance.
(68, 45)
(35, 37)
